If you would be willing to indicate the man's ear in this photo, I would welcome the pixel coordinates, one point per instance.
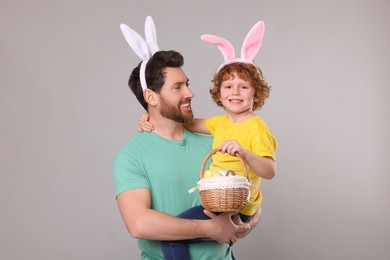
(150, 97)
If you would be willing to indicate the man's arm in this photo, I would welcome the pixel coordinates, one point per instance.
(142, 222)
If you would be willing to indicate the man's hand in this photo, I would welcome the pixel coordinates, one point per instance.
(252, 223)
(223, 229)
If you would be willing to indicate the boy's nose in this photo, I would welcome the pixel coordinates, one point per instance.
(236, 91)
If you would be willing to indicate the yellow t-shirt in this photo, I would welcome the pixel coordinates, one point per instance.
(254, 135)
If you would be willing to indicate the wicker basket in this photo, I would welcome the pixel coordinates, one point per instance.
(224, 193)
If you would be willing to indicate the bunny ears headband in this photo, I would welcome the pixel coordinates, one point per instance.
(143, 48)
(146, 48)
(249, 49)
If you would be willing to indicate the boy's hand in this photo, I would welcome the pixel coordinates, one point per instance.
(144, 124)
(231, 147)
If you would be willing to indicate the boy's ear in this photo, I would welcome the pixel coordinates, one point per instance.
(150, 97)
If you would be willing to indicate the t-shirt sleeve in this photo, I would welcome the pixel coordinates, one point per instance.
(265, 144)
(211, 123)
(128, 172)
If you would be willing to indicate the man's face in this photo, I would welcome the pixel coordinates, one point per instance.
(175, 96)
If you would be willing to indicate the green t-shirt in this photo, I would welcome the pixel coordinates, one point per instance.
(169, 169)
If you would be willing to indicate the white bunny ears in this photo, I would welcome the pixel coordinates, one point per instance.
(249, 49)
(143, 48)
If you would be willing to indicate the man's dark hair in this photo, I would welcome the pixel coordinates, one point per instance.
(154, 76)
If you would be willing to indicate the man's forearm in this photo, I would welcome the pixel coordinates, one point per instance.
(145, 223)
(155, 225)
(161, 226)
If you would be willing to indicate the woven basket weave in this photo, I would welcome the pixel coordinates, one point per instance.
(224, 193)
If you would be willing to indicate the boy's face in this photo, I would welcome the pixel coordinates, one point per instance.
(175, 96)
(237, 95)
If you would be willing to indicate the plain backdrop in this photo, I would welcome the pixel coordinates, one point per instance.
(65, 110)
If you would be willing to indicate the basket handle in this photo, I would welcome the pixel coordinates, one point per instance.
(216, 150)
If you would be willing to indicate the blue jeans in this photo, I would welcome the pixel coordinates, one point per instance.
(178, 250)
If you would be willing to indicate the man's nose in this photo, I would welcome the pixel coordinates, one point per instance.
(189, 93)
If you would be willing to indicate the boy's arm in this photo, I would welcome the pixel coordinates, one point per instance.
(262, 166)
(197, 125)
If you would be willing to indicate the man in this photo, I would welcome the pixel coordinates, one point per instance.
(153, 172)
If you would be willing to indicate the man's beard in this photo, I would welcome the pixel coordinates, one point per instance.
(174, 113)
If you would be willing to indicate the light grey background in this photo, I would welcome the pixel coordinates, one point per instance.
(65, 110)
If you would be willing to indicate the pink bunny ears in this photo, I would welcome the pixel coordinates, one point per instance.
(249, 49)
(143, 48)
